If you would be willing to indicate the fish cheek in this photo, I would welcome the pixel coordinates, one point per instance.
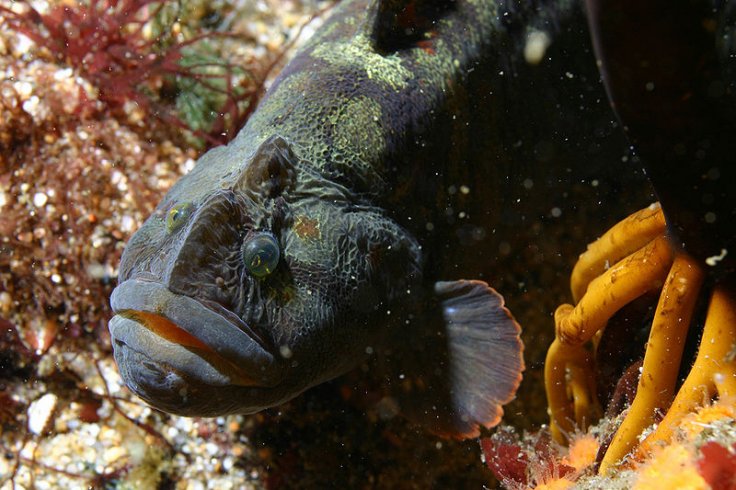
(388, 253)
(359, 260)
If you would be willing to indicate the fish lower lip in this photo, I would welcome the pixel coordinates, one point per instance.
(150, 364)
(195, 325)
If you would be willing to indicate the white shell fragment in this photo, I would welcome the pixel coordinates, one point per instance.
(40, 411)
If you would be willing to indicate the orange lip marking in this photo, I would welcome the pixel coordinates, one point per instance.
(169, 330)
(165, 328)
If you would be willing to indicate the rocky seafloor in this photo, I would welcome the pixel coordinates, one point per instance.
(77, 178)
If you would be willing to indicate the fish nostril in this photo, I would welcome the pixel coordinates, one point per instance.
(151, 366)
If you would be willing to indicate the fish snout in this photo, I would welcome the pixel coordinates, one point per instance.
(175, 352)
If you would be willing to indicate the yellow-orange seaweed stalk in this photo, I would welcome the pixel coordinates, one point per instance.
(645, 261)
(714, 370)
(624, 238)
(569, 369)
(656, 386)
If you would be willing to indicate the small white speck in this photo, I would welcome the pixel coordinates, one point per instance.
(285, 352)
(23, 44)
(63, 74)
(119, 180)
(713, 260)
(187, 166)
(31, 105)
(127, 223)
(211, 448)
(23, 89)
(6, 301)
(96, 270)
(536, 46)
(40, 199)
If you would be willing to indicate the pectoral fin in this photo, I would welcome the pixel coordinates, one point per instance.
(485, 352)
(457, 378)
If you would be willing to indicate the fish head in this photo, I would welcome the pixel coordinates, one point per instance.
(240, 298)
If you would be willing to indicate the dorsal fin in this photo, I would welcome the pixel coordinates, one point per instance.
(399, 24)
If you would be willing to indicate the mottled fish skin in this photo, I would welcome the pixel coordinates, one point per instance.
(343, 164)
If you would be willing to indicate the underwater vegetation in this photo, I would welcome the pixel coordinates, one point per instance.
(680, 250)
(136, 52)
(87, 152)
(701, 455)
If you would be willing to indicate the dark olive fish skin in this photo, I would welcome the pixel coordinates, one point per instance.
(322, 233)
(198, 274)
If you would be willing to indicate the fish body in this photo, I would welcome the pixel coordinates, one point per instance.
(321, 233)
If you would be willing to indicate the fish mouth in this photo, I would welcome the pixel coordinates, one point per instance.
(164, 341)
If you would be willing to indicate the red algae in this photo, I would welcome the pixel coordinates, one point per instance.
(130, 60)
(717, 465)
(703, 455)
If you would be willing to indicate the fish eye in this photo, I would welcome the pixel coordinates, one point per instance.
(178, 215)
(261, 254)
